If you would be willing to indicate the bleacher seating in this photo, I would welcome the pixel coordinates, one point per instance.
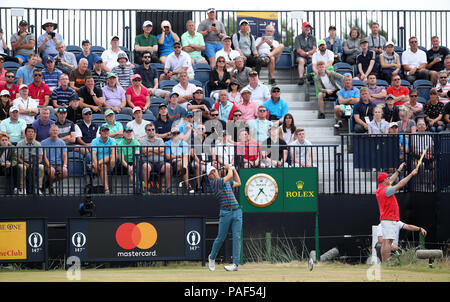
(158, 67)
(405, 83)
(359, 84)
(343, 68)
(167, 85)
(98, 50)
(423, 88)
(382, 83)
(202, 72)
(149, 117)
(123, 117)
(74, 49)
(11, 66)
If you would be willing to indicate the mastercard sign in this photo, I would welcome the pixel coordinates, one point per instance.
(142, 236)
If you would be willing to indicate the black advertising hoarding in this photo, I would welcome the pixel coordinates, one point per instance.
(23, 240)
(136, 239)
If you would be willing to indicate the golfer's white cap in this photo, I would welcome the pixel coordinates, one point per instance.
(209, 168)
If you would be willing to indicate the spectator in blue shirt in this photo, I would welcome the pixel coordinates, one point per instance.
(55, 157)
(51, 74)
(166, 40)
(347, 96)
(24, 74)
(103, 156)
(87, 54)
(276, 105)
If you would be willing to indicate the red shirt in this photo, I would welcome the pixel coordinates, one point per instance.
(388, 205)
(13, 91)
(39, 93)
(402, 90)
(250, 150)
(137, 100)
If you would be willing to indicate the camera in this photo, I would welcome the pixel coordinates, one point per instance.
(52, 34)
(87, 208)
(440, 90)
(214, 24)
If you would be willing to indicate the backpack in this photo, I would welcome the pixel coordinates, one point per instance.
(239, 39)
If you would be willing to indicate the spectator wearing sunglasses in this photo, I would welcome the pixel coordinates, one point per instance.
(38, 90)
(276, 105)
(443, 87)
(259, 127)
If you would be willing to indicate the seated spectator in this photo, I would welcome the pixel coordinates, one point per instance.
(22, 43)
(233, 92)
(24, 74)
(114, 96)
(88, 132)
(198, 103)
(74, 111)
(269, 51)
(434, 112)
(91, 96)
(223, 151)
(305, 47)
(42, 124)
(98, 73)
(240, 73)
(400, 93)
(447, 65)
(55, 157)
(184, 89)
(389, 63)
(153, 157)
(38, 90)
(30, 161)
(177, 154)
(365, 62)
(146, 42)
(177, 62)
(64, 60)
(138, 124)
(166, 40)
(51, 74)
(149, 77)
(214, 126)
(235, 126)
(377, 42)
(66, 130)
(193, 43)
(322, 55)
(219, 78)
(436, 55)
(46, 42)
(224, 107)
(248, 151)
(5, 104)
(347, 97)
(77, 76)
(391, 112)
(248, 108)
(276, 105)
(103, 156)
(334, 44)
(377, 93)
(61, 95)
(287, 128)
(327, 86)
(259, 127)
(378, 125)
(352, 46)
(175, 111)
(13, 126)
(123, 72)
(414, 63)
(415, 108)
(186, 126)
(115, 127)
(443, 88)
(201, 154)
(8, 163)
(87, 54)
(163, 124)
(363, 111)
(213, 31)
(446, 115)
(28, 107)
(405, 124)
(137, 95)
(260, 92)
(301, 155)
(244, 42)
(2, 70)
(10, 86)
(111, 55)
(228, 53)
(274, 150)
(128, 149)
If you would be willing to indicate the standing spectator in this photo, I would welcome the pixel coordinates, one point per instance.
(91, 96)
(61, 95)
(248, 108)
(65, 61)
(443, 88)
(305, 47)
(42, 124)
(149, 77)
(193, 43)
(166, 40)
(436, 55)
(244, 42)
(137, 95)
(228, 53)
(400, 93)
(175, 111)
(47, 41)
(213, 31)
(287, 129)
(277, 107)
(259, 127)
(414, 63)
(66, 128)
(138, 124)
(5, 104)
(434, 112)
(98, 73)
(177, 62)
(38, 90)
(405, 124)
(219, 78)
(28, 107)
(322, 55)
(87, 54)
(123, 72)
(389, 62)
(163, 124)
(8, 162)
(111, 55)
(184, 89)
(114, 96)
(378, 125)
(146, 42)
(51, 74)
(390, 112)
(103, 156)
(327, 85)
(77, 77)
(352, 46)
(24, 74)
(301, 155)
(415, 108)
(347, 97)
(269, 51)
(376, 41)
(240, 72)
(10, 86)
(334, 44)
(233, 92)
(365, 62)
(363, 111)
(377, 93)
(224, 107)
(22, 43)
(260, 92)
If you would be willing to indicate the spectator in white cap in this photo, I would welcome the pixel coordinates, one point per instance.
(110, 55)
(177, 62)
(47, 41)
(14, 126)
(28, 107)
(146, 42)
(5, 104)
(166, 40)
(138, 124)
(123, 72)
(193, 43)
(213, 31)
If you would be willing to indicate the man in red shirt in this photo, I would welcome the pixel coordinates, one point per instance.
(38, 90)
(400, 93)
(387, 203)
(10, 86)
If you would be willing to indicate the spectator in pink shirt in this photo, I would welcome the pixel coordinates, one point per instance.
(248, 108)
